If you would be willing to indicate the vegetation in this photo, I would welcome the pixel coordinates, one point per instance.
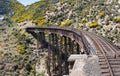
(23, 40)
(100, 15)
(22, 49)
(93, 24)
(83, 21)
(39, 22)
(65, 23)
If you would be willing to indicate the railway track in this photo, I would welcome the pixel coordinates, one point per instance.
(109, 63)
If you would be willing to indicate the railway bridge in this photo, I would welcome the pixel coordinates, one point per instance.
(63, 42)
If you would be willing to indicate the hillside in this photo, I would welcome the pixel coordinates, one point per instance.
(80, 12)
(99, 16)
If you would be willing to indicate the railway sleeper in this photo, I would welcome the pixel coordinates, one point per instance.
(105, 71)
(115, 66)
(114, 63)
(116, 73)
(102, 63)
(104, 67)
(116, 70)
(102, 60)
(101, 57)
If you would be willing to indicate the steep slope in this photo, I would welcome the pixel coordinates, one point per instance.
(91, 15)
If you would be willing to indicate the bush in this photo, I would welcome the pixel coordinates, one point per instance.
(66, 23)
(100, 15)
(21, 49)
(93, 24)
(63, 1)
(40, 22)
(83, 21)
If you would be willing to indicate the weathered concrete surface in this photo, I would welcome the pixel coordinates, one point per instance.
(86, 66)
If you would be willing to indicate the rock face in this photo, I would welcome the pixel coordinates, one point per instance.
(86, 66)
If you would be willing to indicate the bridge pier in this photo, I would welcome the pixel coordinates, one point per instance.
(66, 54)
(49, 56)
(77, 48)
(60, 57)
(39, 42)
(53, 54)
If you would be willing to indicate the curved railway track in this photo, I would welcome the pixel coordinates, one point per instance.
(109, 63)
(107, 53)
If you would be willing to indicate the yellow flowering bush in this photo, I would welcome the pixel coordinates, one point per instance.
(15, 19)
(50, 23)
(39, 22)
(21, 49)
(100, 15)
(83, 13)
(66, 23)
(22, 32)
(83, 21)
(63, 1)
(91, 10)
(93, 24)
